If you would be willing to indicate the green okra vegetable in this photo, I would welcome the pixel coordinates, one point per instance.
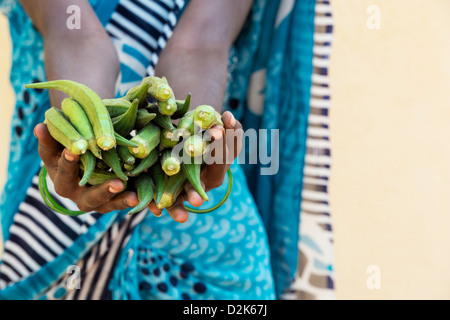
(112, 159)
(121, 141)
(205, 117)
(139, 92)
(125, 123)
(88, 162)
(159, 88)
(145, 189)
(143, 118)
(129, 168)
(145, 163)
(101, 176)
(169, 163)
(169, 139)
(79, 120)
(159, 177)
(63, 132)
(192, 172)
(91, 103)
(116, 107)
(186, 126)
(183, 106)
(147, 139)
(125, 155)
(167, 108)
(161, 120)
(194, 146)
(172, 188)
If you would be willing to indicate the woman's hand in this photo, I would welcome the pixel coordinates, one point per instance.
(63, 168)
(228, 143)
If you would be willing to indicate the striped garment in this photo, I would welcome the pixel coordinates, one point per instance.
(139, 31)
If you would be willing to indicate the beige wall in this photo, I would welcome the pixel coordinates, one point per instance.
(389, 124)
(391, 152)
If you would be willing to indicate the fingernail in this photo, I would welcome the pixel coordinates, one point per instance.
(115, 189)
(232, 121)
(69, 157)
(34, 132)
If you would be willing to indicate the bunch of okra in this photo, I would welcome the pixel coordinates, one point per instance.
(133, 138)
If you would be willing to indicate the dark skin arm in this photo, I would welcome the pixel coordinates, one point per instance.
(203, 35)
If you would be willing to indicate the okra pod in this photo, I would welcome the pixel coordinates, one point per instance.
(145, 163)
(139, 92)
(186, 126)
(147, 139)
(173, 187)
(192, 172)
(143, 118)
(121, 141)
(167, 108)
(63, 132)
(116, 107)
(112, 159)
(205, 117)
(91, 103)
(194, 146)
(183, 107)
(170, 164)
(129, 168)
(145, 190)
(162, 120)
(124, 124)
(159, 89)
(125, 155)
(169, 139)
(101, 176)
(159, 177)
(79, 120)
(88, 163)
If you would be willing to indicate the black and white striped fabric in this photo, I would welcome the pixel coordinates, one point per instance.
(139, 29)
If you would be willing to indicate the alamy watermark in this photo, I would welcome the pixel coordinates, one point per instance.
(249, 147)
(74, 20)
(373, 281)
(373, 21)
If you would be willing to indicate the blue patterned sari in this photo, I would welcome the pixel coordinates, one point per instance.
(247, 249)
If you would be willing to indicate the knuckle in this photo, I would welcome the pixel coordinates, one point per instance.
(84, 207)
(61, 190)
(217, 182)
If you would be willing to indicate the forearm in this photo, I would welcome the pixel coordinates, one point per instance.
(201, 72)
(195, 59)
(90, 60)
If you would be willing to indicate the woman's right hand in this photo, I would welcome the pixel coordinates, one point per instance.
(63, 168)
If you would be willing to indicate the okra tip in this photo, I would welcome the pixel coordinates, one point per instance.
(79, 147)
(106, 143)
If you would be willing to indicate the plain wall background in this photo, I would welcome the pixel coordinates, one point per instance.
(389, 133)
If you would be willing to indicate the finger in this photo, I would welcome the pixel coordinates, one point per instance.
(154, 209)
(96, 196)
(214, 173)
(121, 201)
(66, 179)
(234, 133)
(192, 196)
(49, 149)
(178, 211)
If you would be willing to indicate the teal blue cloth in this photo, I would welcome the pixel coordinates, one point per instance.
(285, 52)
(272, 203)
